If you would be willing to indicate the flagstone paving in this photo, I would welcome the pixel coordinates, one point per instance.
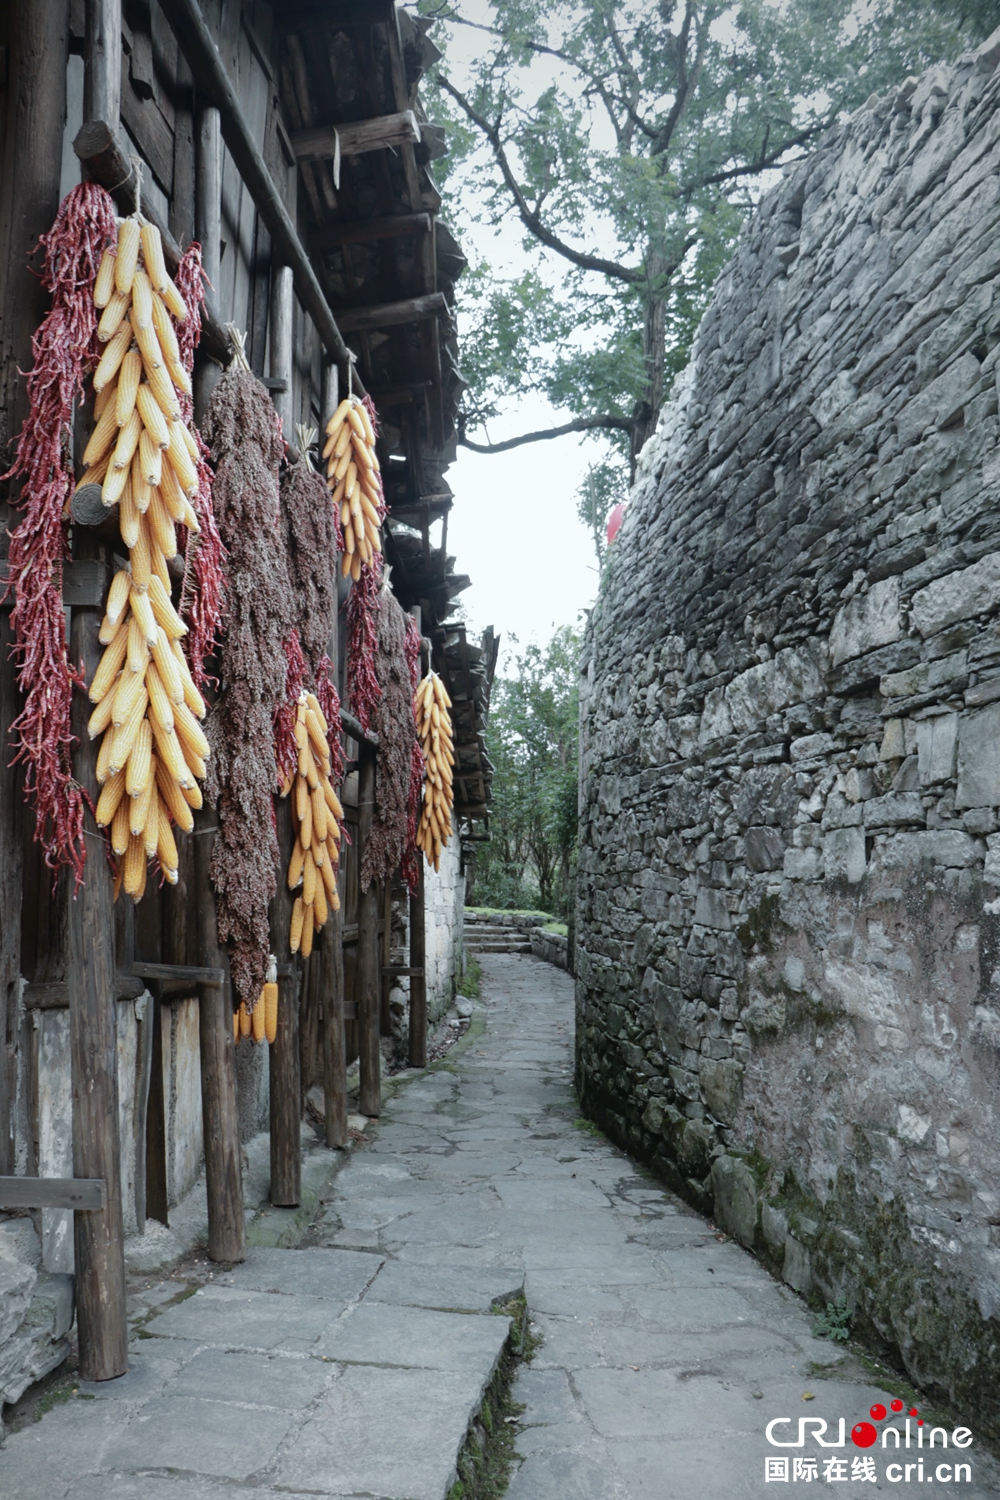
(352, 1366)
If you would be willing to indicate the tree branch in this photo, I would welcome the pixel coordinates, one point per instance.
(581, 424)
(747, 169)
(530, 219)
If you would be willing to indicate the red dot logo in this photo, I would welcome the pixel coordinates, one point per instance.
(897, 1406)
(863, 1434)
(912, 1411)
(877, 1412)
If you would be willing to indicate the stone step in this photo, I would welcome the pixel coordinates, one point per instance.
(498, 947)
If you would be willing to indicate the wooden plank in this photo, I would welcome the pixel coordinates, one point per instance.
(98, 1237)
(367, 231)
(155, 1206)
(369, 965)
(385, 1015)
(207, 228)
(418, 981)
(85, 583)
(198, 46)
(391, 314)
(191, 974)
(282, 299)
(399, 972)
(150, 131)
(98, 149)
(146, 1015)
(84, 1194)
(356, 138)
(283, 1053)
(224, 1181)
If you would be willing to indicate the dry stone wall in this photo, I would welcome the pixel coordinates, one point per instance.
(788, 933)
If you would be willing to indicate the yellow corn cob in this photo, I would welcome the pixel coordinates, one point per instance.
(140, 486)
(329, 878)
(161, 386)
(192, 796)
(152, 254)
(138, 772)
(316, 734)
(112, 793)
(165, 329)
(320, 908)
(151, 831)
(190, 732)
(333, 802)
(158, 564)
(339, 416)
(295, 866)
(104, 282)
(171, 493)
(167, 666)
(150, 458)
(301, 798)
(139, 601)
(109, 666)
(130, 690)
(308, 879)
(103, 437)
(139, 811)
(95, 474)
(159, 703)
(137, 653)
(153, 419)
(189, 516)
(245, 1022)
(305, 823)
(166, 616)
(118, 595)
(140, 558)
(168, 748)
(128, 254)
(166, 847)
(110, 361)
(161, 527)
(173, 301)
(149, 345)
(181, 458)
(257, 1018)
(104, 760)
(192, 697)
(308, 928)
(119, 827)
(295, 932)
(135, 867)
(270, 1011)
(112, 316)
(319, 814)
(142, 299)
(114, 485)
(236, 1028)
(101, 717)
(173, 798)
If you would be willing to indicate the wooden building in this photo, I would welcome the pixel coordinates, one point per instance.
(290, 141)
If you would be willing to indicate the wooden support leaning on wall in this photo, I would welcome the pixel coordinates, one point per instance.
(369, 966)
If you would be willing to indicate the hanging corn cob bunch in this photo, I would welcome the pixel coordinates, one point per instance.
(318, 816)
(430, 707)
(262, 1021)
(352, 471)
(153, 750)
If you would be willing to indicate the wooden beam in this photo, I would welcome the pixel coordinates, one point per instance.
(368, 963)
(83, 1194)
(350, 725)
(102, 60)
(207, 228)
(280, 353)
(198, 46)
(390, 314)
(356, 138)
(98, 1236)
(192, 974)
(367, 231)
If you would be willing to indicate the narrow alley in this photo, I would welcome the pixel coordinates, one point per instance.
(352, 1366)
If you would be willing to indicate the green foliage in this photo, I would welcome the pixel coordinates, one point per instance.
(631, 138)
(532, 741)
(834, 1322)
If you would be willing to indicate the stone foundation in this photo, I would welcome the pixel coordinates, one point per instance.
(788, 931)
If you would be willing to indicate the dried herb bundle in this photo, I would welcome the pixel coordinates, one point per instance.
(394, 724)
(311, 542)
(245, 444)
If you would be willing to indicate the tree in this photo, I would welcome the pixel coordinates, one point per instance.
(631, 163)
(532, 742)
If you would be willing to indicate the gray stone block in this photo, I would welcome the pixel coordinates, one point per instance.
(797, 1266)
(735, 1198)
(844, 855)
(866, 621)
(978, 762)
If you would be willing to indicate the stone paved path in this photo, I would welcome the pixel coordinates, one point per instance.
(351, 1367)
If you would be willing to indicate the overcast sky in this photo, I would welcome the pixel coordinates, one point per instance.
(514, 527)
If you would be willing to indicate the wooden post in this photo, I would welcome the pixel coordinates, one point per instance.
(37, 48)
(385, 979)
(283, 1053)
(98, 1236)
(329, 401)
(224, 1179)
(369, 1053)
(418, 974)
(102, 61)
(208, 228)
(281, 364)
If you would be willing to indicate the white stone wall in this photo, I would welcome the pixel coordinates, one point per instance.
(444, 903)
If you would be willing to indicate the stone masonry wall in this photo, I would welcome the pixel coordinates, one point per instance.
(788, 932)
